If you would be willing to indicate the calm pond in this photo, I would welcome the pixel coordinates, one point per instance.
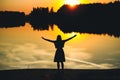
(22, 47)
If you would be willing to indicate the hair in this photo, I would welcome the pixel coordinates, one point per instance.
(59, 37)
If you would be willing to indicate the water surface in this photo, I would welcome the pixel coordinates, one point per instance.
(22, 47)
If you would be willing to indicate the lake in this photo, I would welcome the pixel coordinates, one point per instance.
(22, 47)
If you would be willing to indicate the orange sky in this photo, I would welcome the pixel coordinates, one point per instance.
(27, 5)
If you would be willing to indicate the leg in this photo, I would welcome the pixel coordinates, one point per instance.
(58, 65)
(62, 64)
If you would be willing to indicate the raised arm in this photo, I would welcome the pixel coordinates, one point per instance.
(70, 38)
(47, 39)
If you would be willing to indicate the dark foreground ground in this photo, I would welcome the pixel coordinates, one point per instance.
(53, 74)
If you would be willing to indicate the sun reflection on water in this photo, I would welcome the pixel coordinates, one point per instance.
(23, 46)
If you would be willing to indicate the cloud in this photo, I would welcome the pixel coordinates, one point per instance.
(77, 53)
(31, 55)
(108, 65)
(88, 63)
(4, 66)
(20, 55)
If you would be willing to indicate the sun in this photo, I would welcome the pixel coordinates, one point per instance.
(72, 2)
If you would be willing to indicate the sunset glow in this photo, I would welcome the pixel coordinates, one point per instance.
(72, 2)
(27, 6)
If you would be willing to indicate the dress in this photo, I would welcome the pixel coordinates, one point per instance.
(59, 54)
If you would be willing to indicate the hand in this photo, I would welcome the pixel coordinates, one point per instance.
(75, 35)
(42, 37)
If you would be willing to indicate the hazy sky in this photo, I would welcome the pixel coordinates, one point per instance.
(27, 5)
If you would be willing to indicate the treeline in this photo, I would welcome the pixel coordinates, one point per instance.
(88, 18)
(11, 18)
(41, 18)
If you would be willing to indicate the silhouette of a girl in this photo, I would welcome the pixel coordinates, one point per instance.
(59, 55)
